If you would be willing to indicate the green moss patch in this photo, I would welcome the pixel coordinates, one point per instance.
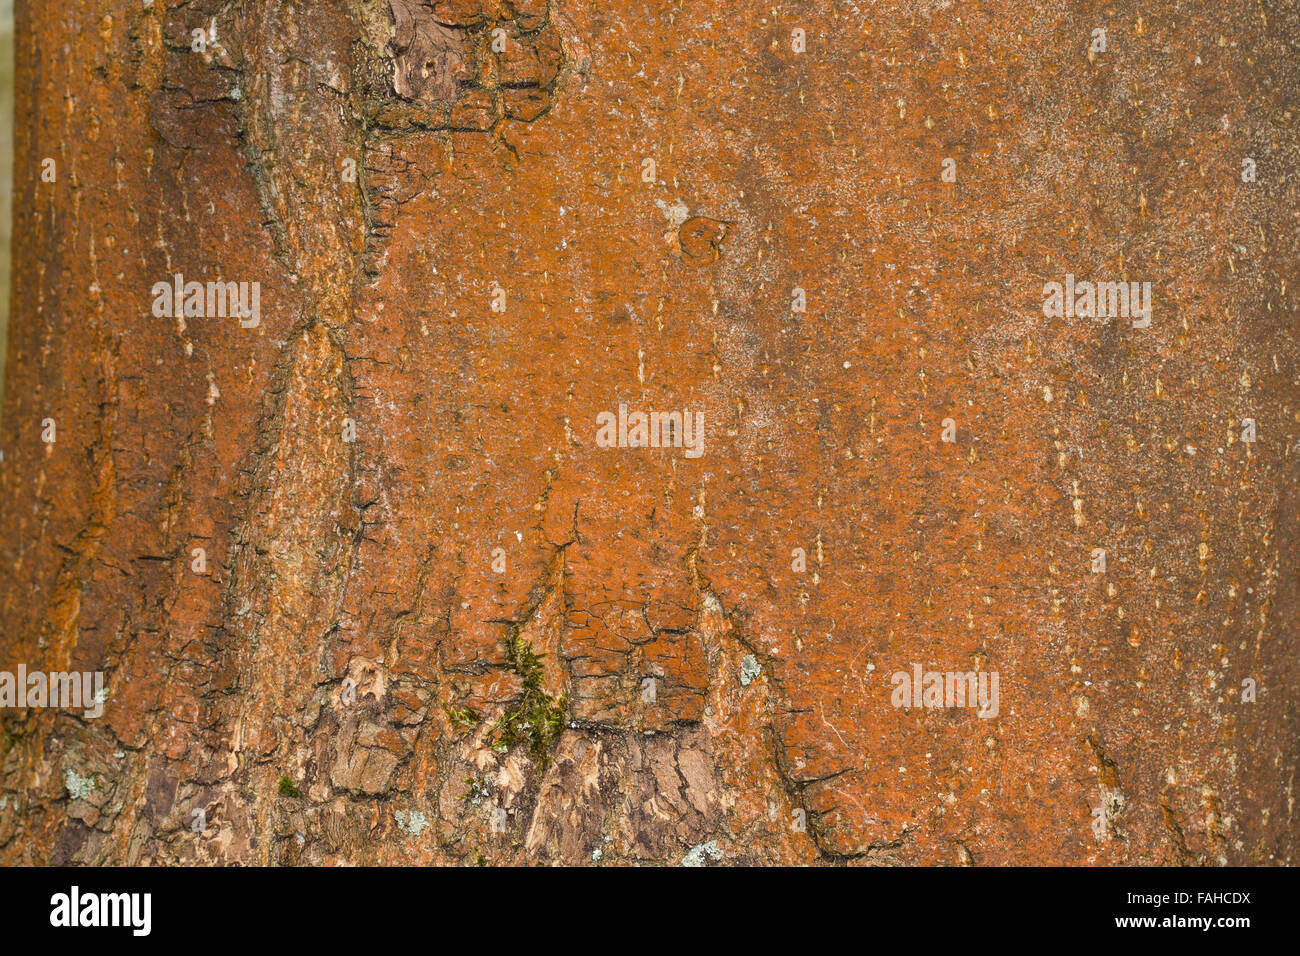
(536, 722)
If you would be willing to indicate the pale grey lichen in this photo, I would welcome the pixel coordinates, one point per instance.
(676, 212)
(411, 822)
(79, 787)
(699, 854)
(749, 669)
(478, 789)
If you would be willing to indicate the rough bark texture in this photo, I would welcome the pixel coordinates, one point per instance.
(439, 333)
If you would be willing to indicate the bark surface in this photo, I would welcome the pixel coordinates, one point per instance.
(432, 620)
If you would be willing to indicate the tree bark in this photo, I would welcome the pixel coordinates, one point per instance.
(366, 586)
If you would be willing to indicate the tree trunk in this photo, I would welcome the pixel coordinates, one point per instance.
(367, 582)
